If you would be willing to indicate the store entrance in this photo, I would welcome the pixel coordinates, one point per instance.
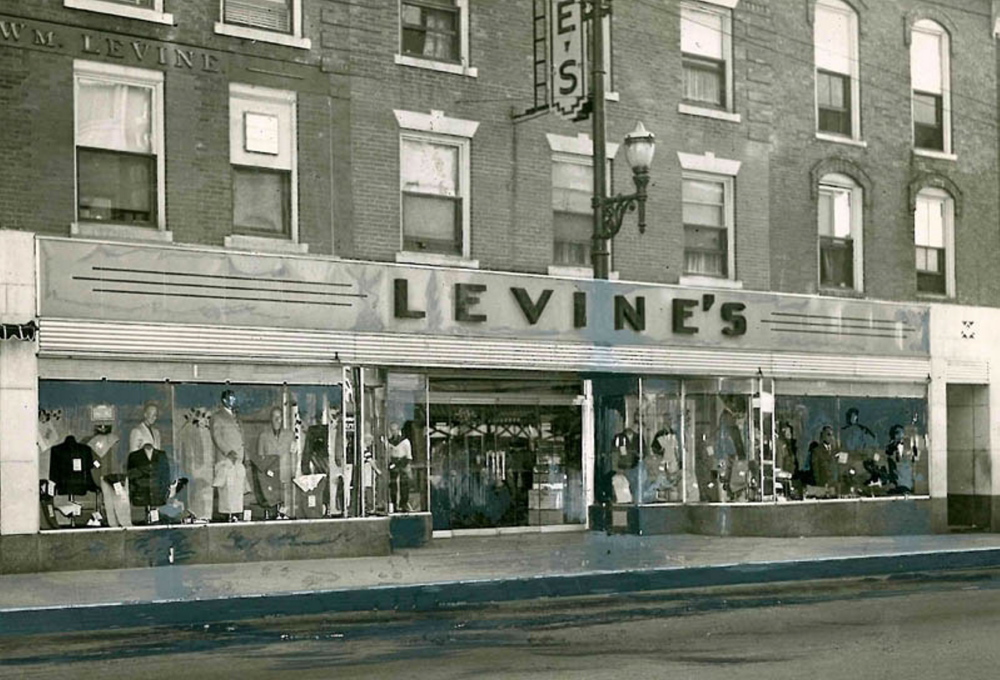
(505, 453)
(969, 476)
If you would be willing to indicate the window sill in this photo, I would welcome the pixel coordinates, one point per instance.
(441, 66)
(709, 282)
(612, 97)
(436, 259)
(935, 297)
(709, 113)
(850, 141)
(569, 272)
(940, 155)
(842, 292)
(265, 244)
(120, 232)
(262, 36)
(140, 13)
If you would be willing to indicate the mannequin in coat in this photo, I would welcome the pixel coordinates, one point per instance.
(197, 454)
(230, 454)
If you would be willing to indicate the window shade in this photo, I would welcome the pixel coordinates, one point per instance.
(701, 33)
(833, 40)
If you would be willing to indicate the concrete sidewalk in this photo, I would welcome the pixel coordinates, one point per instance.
(461, 571)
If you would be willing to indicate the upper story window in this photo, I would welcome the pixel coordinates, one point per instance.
(434, 181)
(119, 145)
(434, 34)
(837, 73)
(262, 152)
(840, 228)
(274, 21)
(934, 240)
(708, 225)
(144, 10)
(706, 54)
(930, 79)
(572, 214)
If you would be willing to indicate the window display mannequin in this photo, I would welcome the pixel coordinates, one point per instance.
(400, 457)
(230, 473)
(882, 468)
(196, 452)
(144, 433)
(271, 466)
(108, 471)
(822, 456)
(793, 467)
(665, 446)
(148, 480)
(855, 437)
(626, 454)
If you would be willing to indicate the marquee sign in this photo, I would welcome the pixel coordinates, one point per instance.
(142, 283)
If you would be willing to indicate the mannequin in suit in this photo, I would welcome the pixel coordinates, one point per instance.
(230, 454)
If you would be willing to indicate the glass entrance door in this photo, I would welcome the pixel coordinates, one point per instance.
(507, 457)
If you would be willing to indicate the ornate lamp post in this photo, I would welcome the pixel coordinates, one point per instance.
(639, 148)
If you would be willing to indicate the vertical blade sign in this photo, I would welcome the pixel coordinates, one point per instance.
(568, 90)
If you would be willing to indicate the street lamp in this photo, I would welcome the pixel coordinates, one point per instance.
(640, 145)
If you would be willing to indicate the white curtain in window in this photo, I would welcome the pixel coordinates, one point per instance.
(701, 33)
(572, 187)
(925, 62)
(833, 39)
(429, 168)
(835, 213)
(114, 116)
(929, 222)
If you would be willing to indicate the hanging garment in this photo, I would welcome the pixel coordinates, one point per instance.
(110, 476)
(271, 466)
(148, 477)
(622, 489)
(69, 467)
(312, 489)
(230, 478)
(197, 455)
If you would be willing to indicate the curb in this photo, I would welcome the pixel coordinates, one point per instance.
(444, 595)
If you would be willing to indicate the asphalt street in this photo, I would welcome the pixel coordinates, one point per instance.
(912, 627)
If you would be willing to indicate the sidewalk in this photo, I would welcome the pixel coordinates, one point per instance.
(462, 570)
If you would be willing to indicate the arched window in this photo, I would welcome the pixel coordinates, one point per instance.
(835, 41)
(930, 81)
(934, 240)
(840, 248)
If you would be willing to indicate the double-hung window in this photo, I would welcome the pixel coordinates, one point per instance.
(119, 145)
(706, 202)
(929, 75)
(262, 154)
(572, 214)
(276, 21)
(837, 71)
(840, 229)
(706, 54)
(434, 180)
(933, 237)
(435, 34)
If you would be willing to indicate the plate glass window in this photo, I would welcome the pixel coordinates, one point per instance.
(115, 152)
(706, 233)
(431, 29)
(836, 59)
(430, 177)
(929, 77)
(704, 54)
(268, 15)
(572, 215)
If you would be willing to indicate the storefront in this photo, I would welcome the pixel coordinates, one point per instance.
(382, 402)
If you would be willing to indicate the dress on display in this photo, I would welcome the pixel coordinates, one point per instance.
(109, 474)
(197, 454)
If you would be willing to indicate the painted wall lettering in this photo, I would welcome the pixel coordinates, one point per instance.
(626, 313)
(681, 312)
(466, 297)
(731, 314)
(401, 301)
(532, 310)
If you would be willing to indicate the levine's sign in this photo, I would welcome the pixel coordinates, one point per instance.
(166, 284)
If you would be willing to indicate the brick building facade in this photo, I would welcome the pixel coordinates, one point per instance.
(339, 195)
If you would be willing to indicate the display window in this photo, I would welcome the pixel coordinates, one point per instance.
(123, 454)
